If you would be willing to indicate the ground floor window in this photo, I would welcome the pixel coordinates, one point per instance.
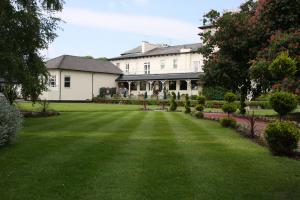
(195, 85)
(172, 85)
(52, 81)
(133, 86)
(143, 85)
(183, 85)
(67, 81)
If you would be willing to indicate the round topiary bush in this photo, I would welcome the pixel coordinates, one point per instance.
(10, 122)
(199, 115)
(228, 122)
(230, 97)
(282, 137)
(201, 100)
(229, 108)
(283, 103)
(199, 108)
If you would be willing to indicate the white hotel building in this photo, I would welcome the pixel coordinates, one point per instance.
(149, 68)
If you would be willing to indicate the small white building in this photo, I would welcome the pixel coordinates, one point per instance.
(78, 79)
(153, 68)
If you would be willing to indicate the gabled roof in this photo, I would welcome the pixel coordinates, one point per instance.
(155, 77)
(76, 63)
(159, 51)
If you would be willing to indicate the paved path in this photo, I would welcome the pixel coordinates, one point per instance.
(260, 124)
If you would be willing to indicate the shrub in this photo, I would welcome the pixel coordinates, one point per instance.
(228, 122)
(282, 137)
(230, 97)
(199, 108)
(283, 66)
(199, 115)
(173, 103)
(10, 122)
(201, 100)
(178, 96)
(283, 103)
(187, 104)
(229, 108)
(214, 93)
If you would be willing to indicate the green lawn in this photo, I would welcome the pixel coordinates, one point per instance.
(140, 155)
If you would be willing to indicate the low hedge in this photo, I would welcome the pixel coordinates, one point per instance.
(209, 104)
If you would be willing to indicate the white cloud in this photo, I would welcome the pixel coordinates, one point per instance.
(146, 25)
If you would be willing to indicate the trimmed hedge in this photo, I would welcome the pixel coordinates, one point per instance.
(209, 104)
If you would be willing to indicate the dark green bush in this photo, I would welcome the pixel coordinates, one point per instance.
(173, 103)
(282, 137)
(283, 103)
(228, 122)
(230, 97)
(199, 108)
(229, 108)
(201, 100)
(199, 115)
(187, 105)
(214, 93)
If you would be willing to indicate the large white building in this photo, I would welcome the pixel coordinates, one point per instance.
(151, 68)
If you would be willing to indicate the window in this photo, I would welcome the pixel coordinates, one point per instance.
(52, 81)
(127, 68)
(143, 85)
(172, 85)
(195, 85)
(175, 63)
(183, 85)
(147, 68)
(162, 64)
(133, 86)
(67, 81)
(197, 66)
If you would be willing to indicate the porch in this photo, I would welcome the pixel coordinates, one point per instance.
(156, 84)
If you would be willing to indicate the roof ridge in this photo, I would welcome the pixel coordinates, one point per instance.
(61, 61)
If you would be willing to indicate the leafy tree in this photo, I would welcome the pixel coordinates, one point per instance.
(283, 66)
(283, 103)
(229, 107)
(27, 27)
(214, 92)
(230, 97)
(227, 52)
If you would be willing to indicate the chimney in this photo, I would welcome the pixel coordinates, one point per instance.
(145, 46)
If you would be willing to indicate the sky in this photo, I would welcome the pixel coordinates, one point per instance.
(106, 28)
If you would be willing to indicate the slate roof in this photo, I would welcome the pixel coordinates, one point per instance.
(82, 64)
(155, 77)
(159, 51)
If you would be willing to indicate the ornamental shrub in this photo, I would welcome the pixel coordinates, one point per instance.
(201, 100)
(229, 108)
(282, 137)
(199, 108)
(173, 103)
(199, 115)
(230, 97)
(10, 122)
(283, 103)
(228, 122)
(187, 104)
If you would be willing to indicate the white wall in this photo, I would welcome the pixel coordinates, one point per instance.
(83, 85)
(185, 64)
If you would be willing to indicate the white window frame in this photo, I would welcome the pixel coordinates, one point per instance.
(162, 64)
(127, 68)
(175, 63)
(147, 68)
(67, 76)
(52, 81)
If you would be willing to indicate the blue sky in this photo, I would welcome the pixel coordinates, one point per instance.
(106, 28)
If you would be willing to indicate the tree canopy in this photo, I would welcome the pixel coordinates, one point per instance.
(27, 27)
